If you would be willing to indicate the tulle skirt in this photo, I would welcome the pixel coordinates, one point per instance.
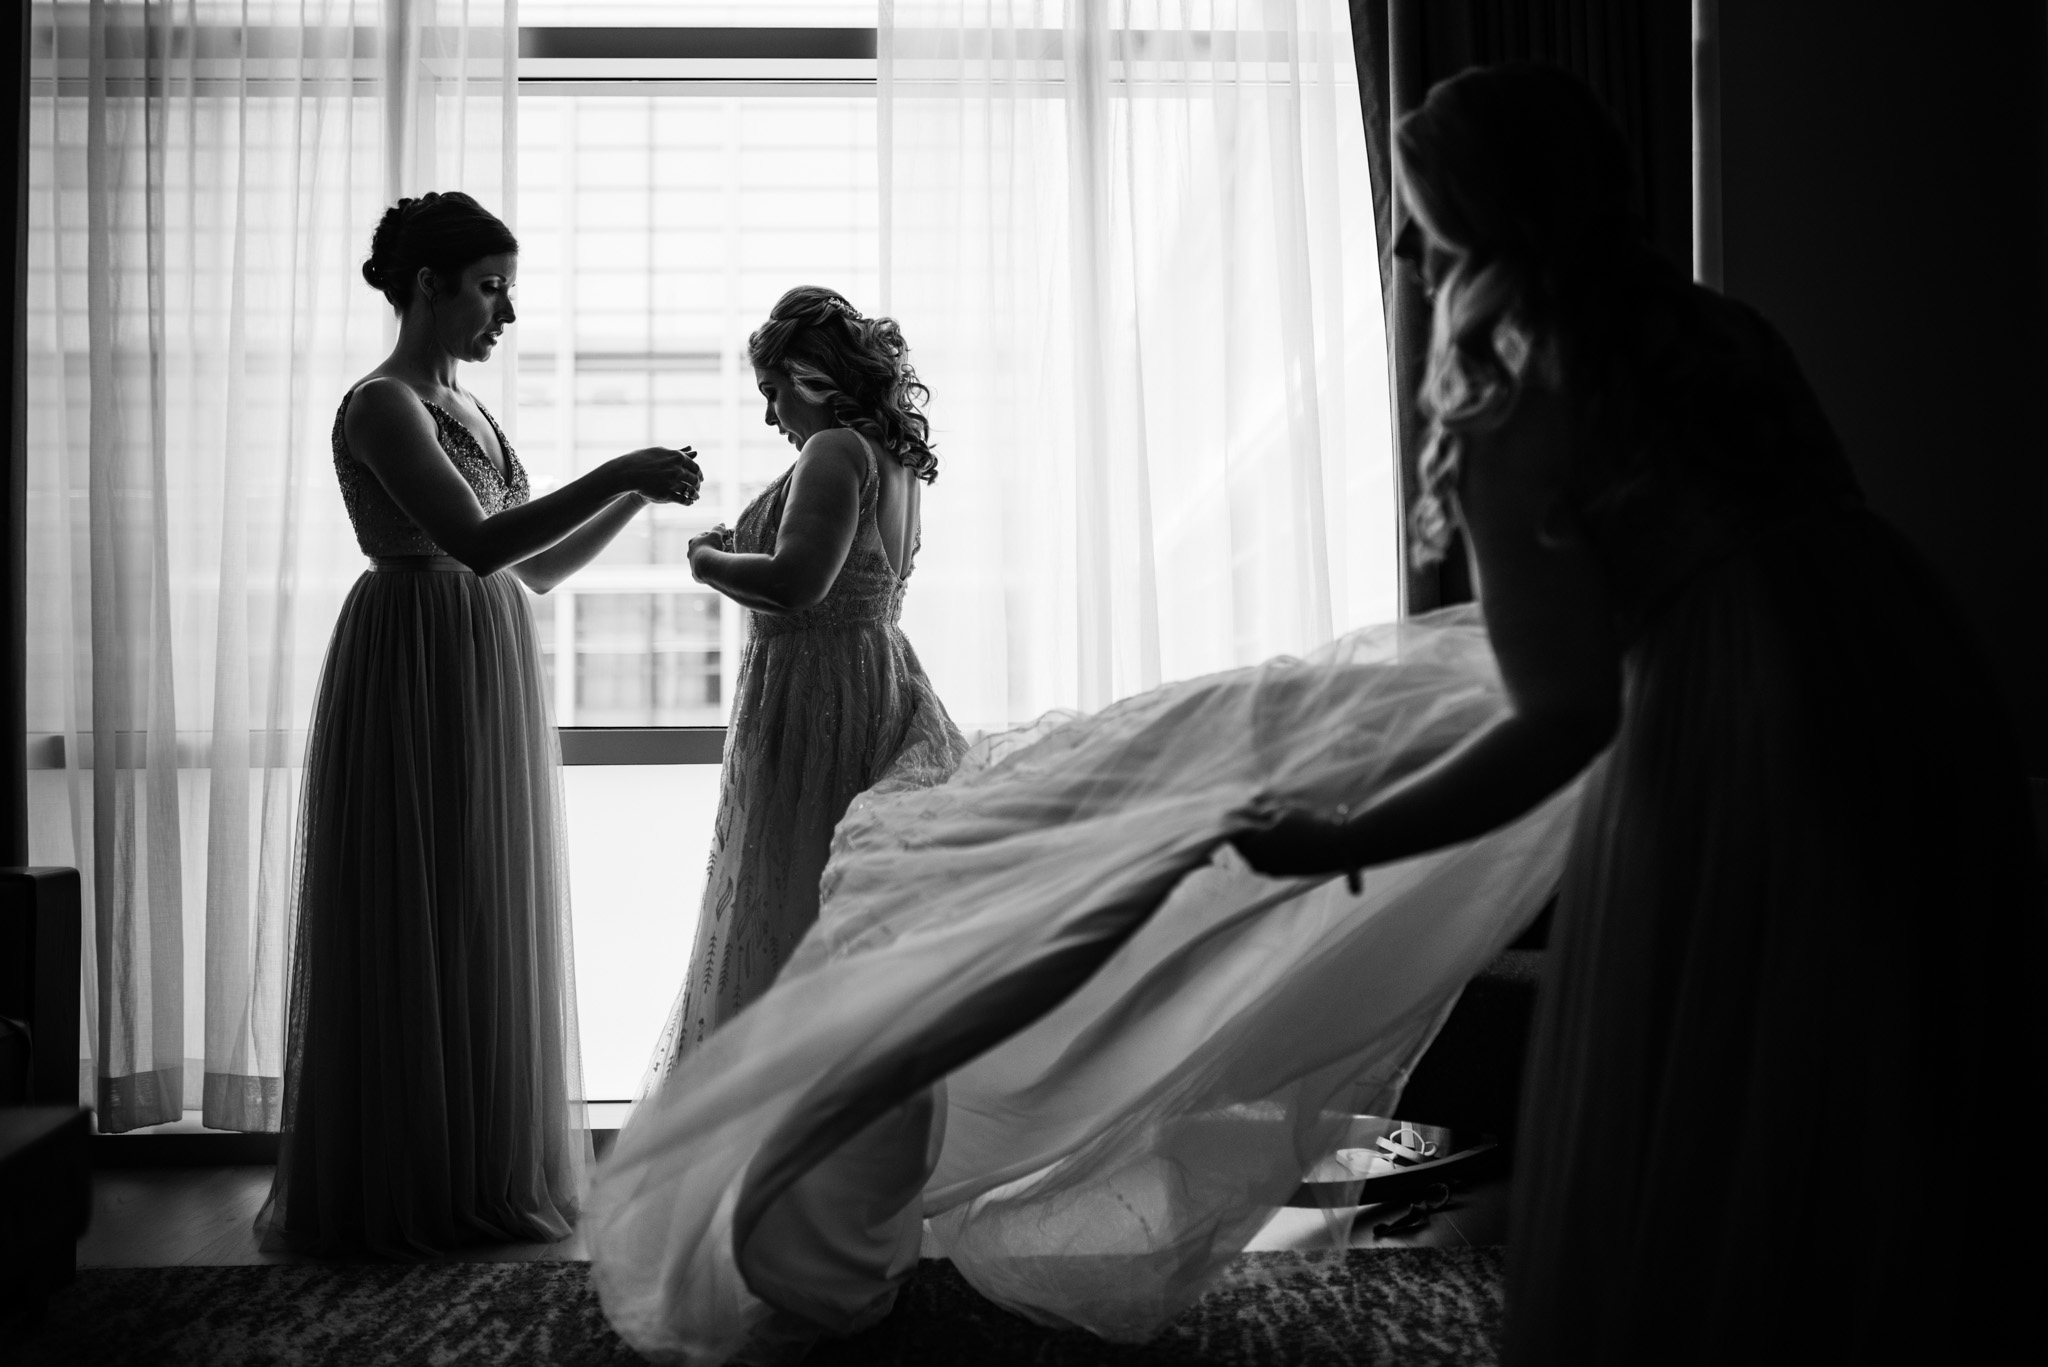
(1791, 1027)
(1047, 1007)
(432, 1091)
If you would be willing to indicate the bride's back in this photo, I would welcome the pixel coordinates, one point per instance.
(898, 501)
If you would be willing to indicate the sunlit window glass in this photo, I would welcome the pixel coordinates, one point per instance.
(656, 232)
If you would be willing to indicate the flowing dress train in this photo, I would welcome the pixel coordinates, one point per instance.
(432, 1090)
(1046, 1008)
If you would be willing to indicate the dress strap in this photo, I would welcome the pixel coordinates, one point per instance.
(871, 481)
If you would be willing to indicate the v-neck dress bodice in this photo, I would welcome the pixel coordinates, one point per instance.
(382, 527)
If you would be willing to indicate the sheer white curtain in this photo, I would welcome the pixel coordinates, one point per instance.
(205, 175)
(1131, 244)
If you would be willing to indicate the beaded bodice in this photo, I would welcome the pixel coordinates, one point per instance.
(382, 528)
(867, 590)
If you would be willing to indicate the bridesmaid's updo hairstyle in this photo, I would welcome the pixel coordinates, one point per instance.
(858, 367)
(443, 232)
(1520, 172)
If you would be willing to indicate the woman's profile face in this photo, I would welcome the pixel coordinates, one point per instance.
(471, 311)
(789, 412)
(1430, 259)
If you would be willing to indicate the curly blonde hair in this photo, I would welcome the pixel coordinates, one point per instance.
(1518, 171)
(858, 367)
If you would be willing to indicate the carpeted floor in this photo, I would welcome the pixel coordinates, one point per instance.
(1413, 1307)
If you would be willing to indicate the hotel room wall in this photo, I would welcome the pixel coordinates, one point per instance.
(1885, 202)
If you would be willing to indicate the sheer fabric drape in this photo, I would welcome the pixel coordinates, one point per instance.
(1132, 247)
(204, 178)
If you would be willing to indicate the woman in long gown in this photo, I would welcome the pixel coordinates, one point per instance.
(1791, 994)
(431, 1081)
(1048, 1014)
(831, 700)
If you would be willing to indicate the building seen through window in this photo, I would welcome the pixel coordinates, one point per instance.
(656, 231)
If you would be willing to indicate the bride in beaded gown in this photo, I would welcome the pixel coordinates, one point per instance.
(831, 700)
(431, 1092)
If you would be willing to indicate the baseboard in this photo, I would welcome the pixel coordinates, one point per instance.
(224, 1150)
(218, 1150)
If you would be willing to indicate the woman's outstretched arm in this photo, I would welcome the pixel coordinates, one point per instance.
(544, 572)
(391, 433)
(547, 570)
(1550, 617)
(819, 519)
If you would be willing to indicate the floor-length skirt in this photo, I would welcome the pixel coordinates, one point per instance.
(432, 1090)
(1048, 1009)
(821, 714)
(1791, 1025)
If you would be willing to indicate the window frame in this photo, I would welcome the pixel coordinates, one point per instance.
(685, 61)
(652, 61)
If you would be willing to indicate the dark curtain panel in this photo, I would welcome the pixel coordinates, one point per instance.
(1636, 54)
(14, 406)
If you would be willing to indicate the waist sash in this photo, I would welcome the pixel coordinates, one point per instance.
(396, 564)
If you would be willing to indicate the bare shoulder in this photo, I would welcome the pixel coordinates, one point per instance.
(835, 448)
(385, 401)
(1515, 469)
(1533, 440)
(385, 413)
(832, 458)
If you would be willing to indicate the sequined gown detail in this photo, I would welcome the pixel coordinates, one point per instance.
(830, 702)
(432, 1078)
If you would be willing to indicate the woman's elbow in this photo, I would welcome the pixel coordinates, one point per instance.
(483, 566)
(797, 592)
(1578, 733)
(800, 599)
(473, 553)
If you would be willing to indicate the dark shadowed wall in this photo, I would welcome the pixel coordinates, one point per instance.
(1885, 202)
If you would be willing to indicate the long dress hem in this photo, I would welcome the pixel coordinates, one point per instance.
(432, 1084)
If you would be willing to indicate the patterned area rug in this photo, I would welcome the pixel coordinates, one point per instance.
(1414, 1307)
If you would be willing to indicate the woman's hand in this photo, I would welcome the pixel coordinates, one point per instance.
(820, 514)
(660, 474)
(719, 538)
(1299, 844)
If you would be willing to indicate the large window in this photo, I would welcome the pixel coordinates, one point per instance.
(657, 229)
(671, 167)
(672, 183)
